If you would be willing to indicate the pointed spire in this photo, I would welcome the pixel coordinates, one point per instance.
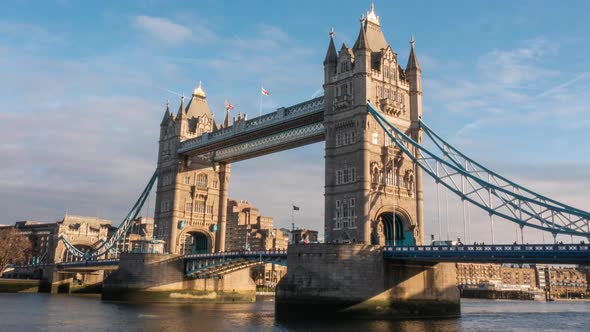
(166, 114)
(361, 42)
(180, 113)
(226, 122)
(412, 59)
(331, 56)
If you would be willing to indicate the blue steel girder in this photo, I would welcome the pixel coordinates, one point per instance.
(485, 189)
(529, 253)
(215, 265)
(283, 129)
(108, 245)
(89, 263)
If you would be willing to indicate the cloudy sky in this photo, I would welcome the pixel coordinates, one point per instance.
(83, 86)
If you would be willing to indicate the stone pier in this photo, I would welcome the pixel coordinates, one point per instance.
(160, 278)
(354, 281)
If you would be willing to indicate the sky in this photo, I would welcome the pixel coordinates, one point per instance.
(83, 87)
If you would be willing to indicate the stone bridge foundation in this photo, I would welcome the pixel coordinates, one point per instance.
(354, 281)
(160, 278)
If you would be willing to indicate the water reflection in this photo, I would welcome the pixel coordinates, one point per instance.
(42, 312)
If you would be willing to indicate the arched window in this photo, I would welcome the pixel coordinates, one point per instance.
(202, 180)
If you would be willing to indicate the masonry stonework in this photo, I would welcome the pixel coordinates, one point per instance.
(192, 191)
(373, 194)
(353, 280)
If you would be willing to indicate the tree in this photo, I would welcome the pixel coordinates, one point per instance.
(15, 248)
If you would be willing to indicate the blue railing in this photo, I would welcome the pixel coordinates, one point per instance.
(90, 263)
(240, 254)
(519, 253)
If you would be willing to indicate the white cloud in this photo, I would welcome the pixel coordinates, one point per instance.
(163, 30)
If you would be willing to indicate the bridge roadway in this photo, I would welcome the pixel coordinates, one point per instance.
(499, 253)
(208, 265)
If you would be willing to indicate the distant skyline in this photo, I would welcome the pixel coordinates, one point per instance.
(84, 87)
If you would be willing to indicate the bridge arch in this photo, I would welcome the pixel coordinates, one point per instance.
(195, 241)
(393, 229)
(67, 256)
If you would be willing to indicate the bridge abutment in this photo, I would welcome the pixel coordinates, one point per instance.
(354, 281)
(161, 278)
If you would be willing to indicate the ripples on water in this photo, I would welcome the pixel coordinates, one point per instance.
(42, 312)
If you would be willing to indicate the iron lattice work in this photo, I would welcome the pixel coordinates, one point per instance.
(109, 245)
(486, 189)
(215, 265)
(537, 253)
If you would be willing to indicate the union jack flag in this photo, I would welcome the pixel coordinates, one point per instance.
(228, 106)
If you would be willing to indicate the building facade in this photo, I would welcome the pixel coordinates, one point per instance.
(85, 233)
(567, 282)
(373, 192)
(248, 230)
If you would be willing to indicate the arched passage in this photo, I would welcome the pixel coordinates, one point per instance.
(195, 243)
(393, 230)
(69, 257)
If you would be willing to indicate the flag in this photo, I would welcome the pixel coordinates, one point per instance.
(295, 208)
(228, 106)
(264, 91)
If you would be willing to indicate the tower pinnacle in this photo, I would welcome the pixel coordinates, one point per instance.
(180, 113)
(371, 16)
(412, 59)
(199, 90)
(331, 56)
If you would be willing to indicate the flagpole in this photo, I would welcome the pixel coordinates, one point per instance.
(260, 103)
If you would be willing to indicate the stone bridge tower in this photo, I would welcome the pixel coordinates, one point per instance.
(373, 192)
(191, 191)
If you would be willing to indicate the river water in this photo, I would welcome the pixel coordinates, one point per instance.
(43, 312)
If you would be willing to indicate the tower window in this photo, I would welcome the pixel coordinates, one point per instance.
(375, 138)
(202, 180)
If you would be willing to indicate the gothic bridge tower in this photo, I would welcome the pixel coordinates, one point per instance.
(373, 192)
(189, 194)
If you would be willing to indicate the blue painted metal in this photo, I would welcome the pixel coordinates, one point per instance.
(451, 152)
(89, 263)
(242, 129)
(122, 229)
(569, 221)
(528, 253)
(211, 265)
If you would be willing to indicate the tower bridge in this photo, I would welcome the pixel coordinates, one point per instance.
(374, 262)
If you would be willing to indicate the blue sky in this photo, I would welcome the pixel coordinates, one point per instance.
(84, 86)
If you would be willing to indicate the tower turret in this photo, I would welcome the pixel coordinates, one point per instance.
(414, 77)
(166, 117)
(181, 119)
(331, 59)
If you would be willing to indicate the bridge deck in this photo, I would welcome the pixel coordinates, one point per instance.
(528, 253)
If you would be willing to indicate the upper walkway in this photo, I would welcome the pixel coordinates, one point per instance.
(283, 129)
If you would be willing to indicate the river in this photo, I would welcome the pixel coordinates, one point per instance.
(43, 312)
